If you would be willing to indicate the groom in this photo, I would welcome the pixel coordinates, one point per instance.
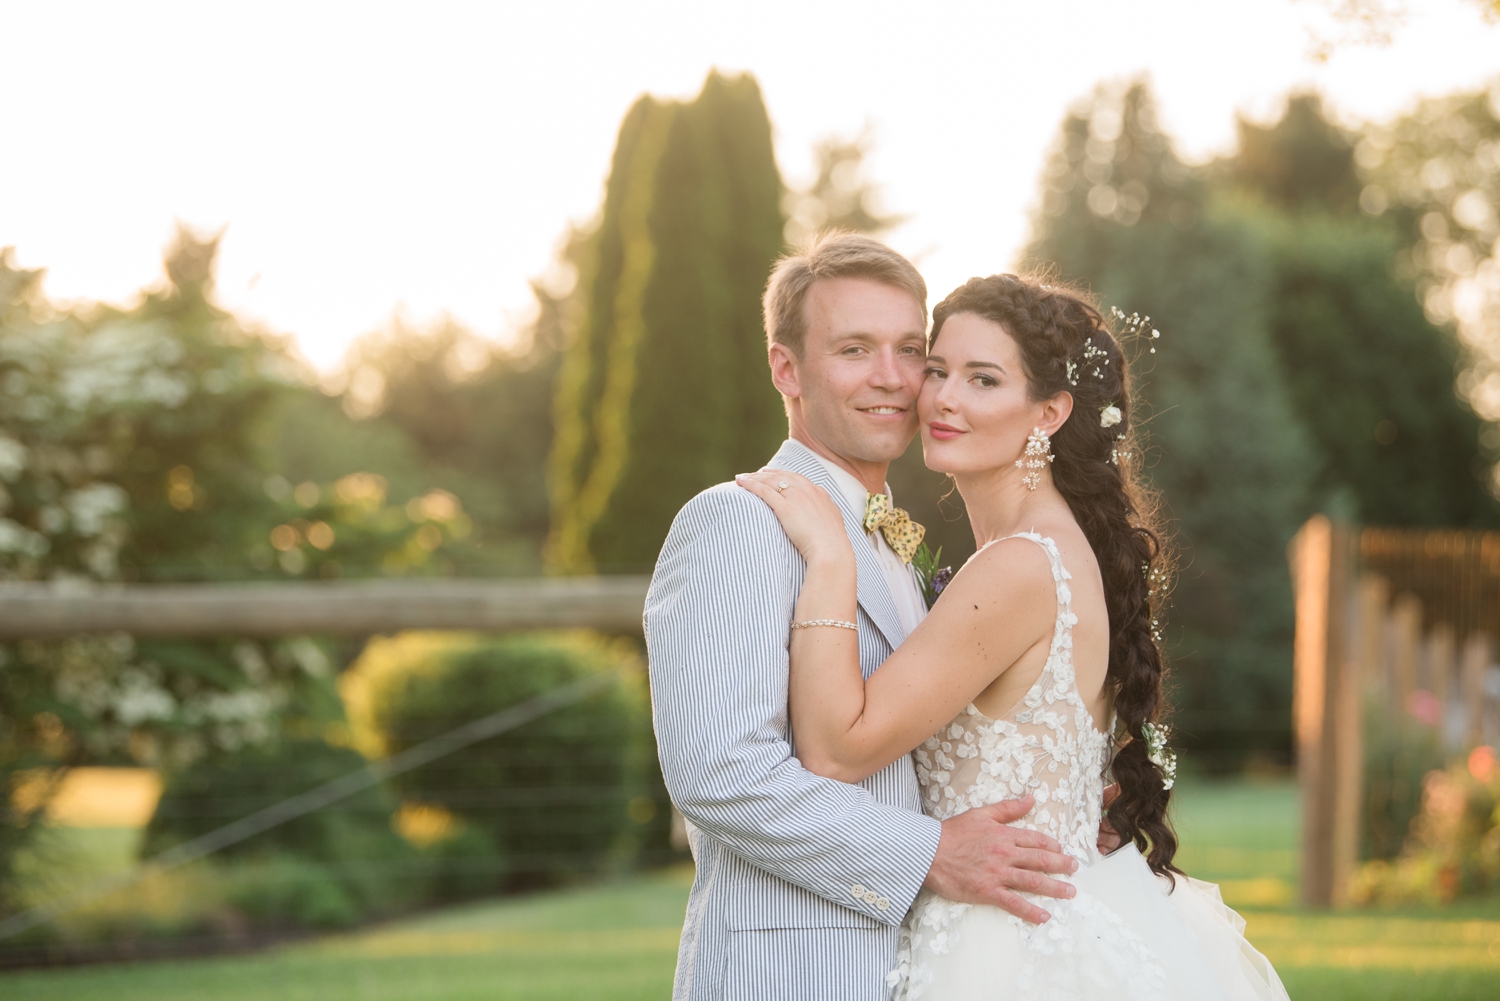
(802, 882)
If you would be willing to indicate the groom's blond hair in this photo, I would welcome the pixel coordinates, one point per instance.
(831, 255)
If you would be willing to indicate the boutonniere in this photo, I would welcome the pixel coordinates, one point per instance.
(932, 577)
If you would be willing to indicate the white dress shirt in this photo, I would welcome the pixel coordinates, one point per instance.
(899, 576)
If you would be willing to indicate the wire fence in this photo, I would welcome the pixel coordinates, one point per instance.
(525, 806)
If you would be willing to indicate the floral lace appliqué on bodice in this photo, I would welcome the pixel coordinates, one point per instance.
(1048, 746)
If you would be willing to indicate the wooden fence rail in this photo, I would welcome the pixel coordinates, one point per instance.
(39, 611)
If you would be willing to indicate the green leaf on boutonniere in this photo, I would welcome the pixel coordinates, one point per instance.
(930, 576)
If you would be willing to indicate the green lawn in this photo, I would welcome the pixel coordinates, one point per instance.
(1243, 836)
(615, 942)
(618, 942)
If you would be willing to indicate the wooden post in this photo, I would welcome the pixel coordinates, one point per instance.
(1374, 601)
(1475, 660)
(1347, 682)
(1406, 642)
(1325, 710)
(1437, 657)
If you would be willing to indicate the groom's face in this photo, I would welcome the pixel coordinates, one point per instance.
(856, 381)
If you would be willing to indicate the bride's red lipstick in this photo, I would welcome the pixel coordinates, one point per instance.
(943, 432)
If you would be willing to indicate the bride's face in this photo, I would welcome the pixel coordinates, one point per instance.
(975, 408)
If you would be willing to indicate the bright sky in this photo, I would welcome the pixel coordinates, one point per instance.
(368, 157)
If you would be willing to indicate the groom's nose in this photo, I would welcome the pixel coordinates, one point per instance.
(888, 373)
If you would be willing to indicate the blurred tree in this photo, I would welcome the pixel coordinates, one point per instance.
(1301, 162)
(1371, 377)
(1111, 169)
(841, 196)
(1435, 174)
(663, 390)
(1353, 408)
(478, 420)
(1122, 214)
(126, 453)
(1354, 23)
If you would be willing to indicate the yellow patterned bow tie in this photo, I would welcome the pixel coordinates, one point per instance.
(901, 533)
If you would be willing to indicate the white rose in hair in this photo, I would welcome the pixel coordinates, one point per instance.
(1109, 416)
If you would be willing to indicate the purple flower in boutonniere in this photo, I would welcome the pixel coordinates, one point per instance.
(939, 581)
(930, 576)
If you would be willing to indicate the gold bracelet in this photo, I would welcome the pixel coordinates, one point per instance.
(839, 623)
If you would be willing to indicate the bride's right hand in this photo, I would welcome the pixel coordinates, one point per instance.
(810, 518)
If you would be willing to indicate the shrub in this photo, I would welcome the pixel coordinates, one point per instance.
(1453, 849)
(1399, 754)
(568, 793)
(330, 867)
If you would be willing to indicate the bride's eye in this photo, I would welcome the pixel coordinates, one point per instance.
(932, 371)
(986, 381)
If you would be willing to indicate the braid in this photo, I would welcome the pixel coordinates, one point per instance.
(1066, 346)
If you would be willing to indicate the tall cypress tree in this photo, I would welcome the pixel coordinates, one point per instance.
(664, 389)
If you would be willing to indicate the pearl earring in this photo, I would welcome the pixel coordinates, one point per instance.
(1036, 458)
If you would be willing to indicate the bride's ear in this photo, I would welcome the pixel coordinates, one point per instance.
(1055, 413)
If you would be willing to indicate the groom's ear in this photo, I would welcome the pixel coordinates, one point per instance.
(786, 370)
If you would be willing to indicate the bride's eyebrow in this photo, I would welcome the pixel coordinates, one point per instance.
(937, 358)
(986, 364)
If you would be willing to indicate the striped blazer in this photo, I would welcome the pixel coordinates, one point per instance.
(802, 882)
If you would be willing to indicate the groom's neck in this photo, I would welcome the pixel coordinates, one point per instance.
(870, 474)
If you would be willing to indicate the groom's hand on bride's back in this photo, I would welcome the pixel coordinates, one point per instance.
(982, 860)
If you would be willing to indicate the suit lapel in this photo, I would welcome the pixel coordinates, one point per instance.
(874, 593)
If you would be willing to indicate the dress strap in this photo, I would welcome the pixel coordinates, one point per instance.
(1059, 572)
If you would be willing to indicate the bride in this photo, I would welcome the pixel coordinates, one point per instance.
(1036, 672)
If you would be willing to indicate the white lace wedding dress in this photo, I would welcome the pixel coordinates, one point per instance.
(1127, 933)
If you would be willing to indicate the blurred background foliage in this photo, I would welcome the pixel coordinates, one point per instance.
(649, 409)
(1329, 302)
(1305, 364)
(576, 791)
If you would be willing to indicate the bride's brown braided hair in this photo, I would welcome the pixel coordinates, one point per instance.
(1066, 346)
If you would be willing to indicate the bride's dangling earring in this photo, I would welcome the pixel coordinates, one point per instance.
(1035, 459)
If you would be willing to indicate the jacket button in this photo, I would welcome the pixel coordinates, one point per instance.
(858, 889)
(871, 896)
(884, 903)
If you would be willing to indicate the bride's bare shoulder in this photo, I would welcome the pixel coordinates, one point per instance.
(1003, 573)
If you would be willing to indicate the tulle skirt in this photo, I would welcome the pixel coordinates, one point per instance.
(1126, 934)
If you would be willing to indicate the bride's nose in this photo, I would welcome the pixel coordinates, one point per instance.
(942, 400)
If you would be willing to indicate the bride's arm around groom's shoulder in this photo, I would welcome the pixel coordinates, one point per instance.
(717, 620)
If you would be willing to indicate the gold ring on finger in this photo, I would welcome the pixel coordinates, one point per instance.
(782, 486)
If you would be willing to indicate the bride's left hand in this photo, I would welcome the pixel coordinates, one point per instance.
(810, 518)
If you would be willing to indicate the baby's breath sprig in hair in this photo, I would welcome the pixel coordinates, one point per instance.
(1136, 324)
(1092, 352)
(1161, 756)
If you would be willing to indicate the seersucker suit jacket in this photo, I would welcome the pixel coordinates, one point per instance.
(802, 882)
